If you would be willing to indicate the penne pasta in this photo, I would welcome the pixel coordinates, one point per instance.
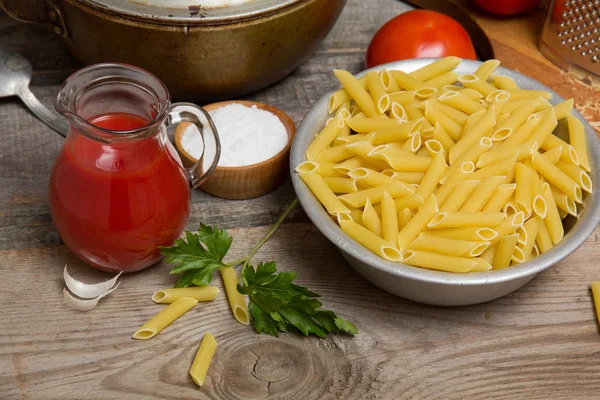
(451, 247)
(553, 221)
(508, 226)
(399, 159)
(363, 149)
(489, 254)
(418, 223)
(523, 133)
(440, 262)
(596, 294)
(334, 154)
(359, 199)
(164, 318)
(473, 135)
(323, 140)
(370, 219)
(577, 174)
(459, 195)
(458, 219)
(504, 82)
(472, 81)
(203, 357)
(402, 97)
(237, 301)
(168, 296)
(403, 217)
(562, 110)
(372, 178)
(468, 233)
(434, 114)
(482, 194)
(453, 178)
(532, 227)
(317, 185)
(523, 194)
(461, 102)
(501, 168)
(378, 92)
(543, 239)
(350, 164)
(554, 175)
(402, 131)
(544, 129)
(357, 92)
(414, 112)
(436, 68)
(408, 177)
(389, 220)
(388, 82)
(341, 185)
(529, 94)
(323, 169)
(579, 141)
(505, 250)
(371, 241)
(486, 69)
(409, 82)
(432, 177)
(568, 153)
(442, 80)
(515, 120)
(365, 125)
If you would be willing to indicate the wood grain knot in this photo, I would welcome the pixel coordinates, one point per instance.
(272, 368)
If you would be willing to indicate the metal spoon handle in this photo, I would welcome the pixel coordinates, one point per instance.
(47, 116)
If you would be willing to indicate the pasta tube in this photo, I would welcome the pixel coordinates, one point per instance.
(168, 296)
(341, 185)
(451, 247)
(164, 318)
(323, 140)
(504, 82)
(557, 177)
(440, 262)
(482, 194)
(323, 169)
(459, 195)
(486, 69)
(553, 221)
(370, 219)
(378, 92)
(436, 68)
(357, 92)
(237, 302)
(389, 220)
(468, 233)
(461, 102)
(371, 241)
(579, 141)
(465, 219)
(418, 223)
(359, 199)
(319, 187)
(504, 252)
(523, 194)
(432, 176)
(203, 357)
(596, 293)
(403, 217)
(434, 114)
(474, 82)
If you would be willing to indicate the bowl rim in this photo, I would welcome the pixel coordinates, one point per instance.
(580, 232)
(286, 120)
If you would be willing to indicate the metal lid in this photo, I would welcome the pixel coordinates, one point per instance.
(189, 12)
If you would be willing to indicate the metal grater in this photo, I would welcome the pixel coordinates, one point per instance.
(571, 37)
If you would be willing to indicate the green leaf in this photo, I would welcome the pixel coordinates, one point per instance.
(198, 256)
(277, 304)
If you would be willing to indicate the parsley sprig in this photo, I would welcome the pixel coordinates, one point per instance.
(275, 303)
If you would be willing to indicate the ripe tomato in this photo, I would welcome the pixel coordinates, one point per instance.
(506, 7)
(419, 34)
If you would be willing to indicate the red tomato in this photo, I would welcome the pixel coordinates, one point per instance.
(506, 7)
(419, 34)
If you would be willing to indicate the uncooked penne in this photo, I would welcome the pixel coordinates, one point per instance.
(459, 195)
(389, 220)
(461, 102)
(482, 194)
(553, 221)
(436, 68)
(459, 219)
(523, 194)
(432, 177)
(441, 262)
(359, 199)
(203, 357)
(164, 318)
(554, 175)
(418, 223)
(319, 187)
(434, 114)
(237, 301)
(370, 219)
(168, 296)
(486, 69)
(469, 233)
(504, 252)
(378, 92)
(474, 82)
(451, 247)
(371, 241)
(408, 82)
(504, 82)
(357, 92)
(579, 141)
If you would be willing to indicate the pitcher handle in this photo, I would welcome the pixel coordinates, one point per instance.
(206, 164)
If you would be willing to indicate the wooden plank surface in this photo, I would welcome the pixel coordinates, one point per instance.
(540, 342)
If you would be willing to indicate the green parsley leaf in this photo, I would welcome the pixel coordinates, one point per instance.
(198, 256)
(278, 305)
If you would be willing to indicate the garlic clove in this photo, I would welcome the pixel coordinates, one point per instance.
(85, 304)
(88, 290)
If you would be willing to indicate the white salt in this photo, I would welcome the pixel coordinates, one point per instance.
(248, 135)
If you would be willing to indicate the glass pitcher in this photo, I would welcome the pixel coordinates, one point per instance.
(118, 188)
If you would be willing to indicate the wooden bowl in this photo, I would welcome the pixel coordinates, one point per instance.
(249, 181)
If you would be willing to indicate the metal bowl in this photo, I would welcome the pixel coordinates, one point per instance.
(436, 287)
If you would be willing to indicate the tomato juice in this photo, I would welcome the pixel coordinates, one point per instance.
(113, 203)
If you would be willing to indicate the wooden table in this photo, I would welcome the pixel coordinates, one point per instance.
(540, 342)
